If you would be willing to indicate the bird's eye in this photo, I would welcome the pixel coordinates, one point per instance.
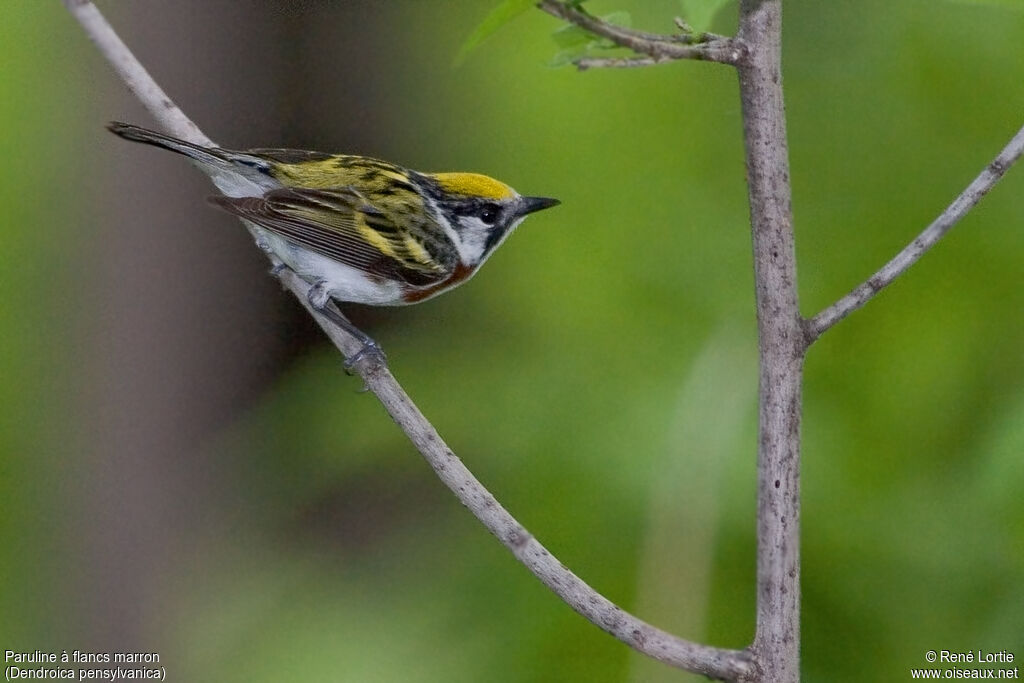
(489, 214)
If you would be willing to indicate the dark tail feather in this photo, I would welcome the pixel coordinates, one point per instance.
(151, 137)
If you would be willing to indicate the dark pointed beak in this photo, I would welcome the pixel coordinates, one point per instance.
(531, 204)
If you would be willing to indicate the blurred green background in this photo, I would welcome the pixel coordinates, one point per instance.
(185, 468)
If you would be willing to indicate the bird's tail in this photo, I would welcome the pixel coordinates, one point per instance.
(236, 174)
(208, 155)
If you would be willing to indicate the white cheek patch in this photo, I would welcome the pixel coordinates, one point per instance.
(472, 239)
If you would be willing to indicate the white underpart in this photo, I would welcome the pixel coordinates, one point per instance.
(342, 282)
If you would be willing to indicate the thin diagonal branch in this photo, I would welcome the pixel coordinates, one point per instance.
(713, 662)
(910, 254)
(730, 665)
(706, 46)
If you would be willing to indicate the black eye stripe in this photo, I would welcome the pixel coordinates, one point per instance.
(487, 212)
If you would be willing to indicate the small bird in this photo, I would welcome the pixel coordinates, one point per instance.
(358, 229)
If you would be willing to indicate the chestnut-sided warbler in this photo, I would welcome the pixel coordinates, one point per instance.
(358, 229)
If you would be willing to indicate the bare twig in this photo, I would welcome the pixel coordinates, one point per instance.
(688, 35)
(706, 46)
(780, 344)
(966, 201)
(618, 62)
(732, 665)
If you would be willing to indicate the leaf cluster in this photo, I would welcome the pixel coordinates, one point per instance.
(575, 43)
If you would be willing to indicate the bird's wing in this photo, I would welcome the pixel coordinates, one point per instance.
(340, 224)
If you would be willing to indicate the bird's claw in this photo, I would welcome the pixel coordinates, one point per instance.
(371, 354)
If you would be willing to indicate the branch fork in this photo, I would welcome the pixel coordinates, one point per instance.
(650, 48)
(861, 294)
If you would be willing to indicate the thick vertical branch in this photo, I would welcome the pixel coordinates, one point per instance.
(781, 344)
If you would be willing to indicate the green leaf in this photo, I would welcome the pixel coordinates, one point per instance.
(499, 16)
(619, 18)
(577, 42)
(700, 14)
(572, 35)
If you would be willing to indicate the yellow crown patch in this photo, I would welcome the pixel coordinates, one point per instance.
(473, 185)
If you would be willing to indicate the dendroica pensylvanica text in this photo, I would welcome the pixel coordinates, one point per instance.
(358, 229)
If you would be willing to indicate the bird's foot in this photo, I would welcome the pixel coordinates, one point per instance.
(370, 356)
(278, 269)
